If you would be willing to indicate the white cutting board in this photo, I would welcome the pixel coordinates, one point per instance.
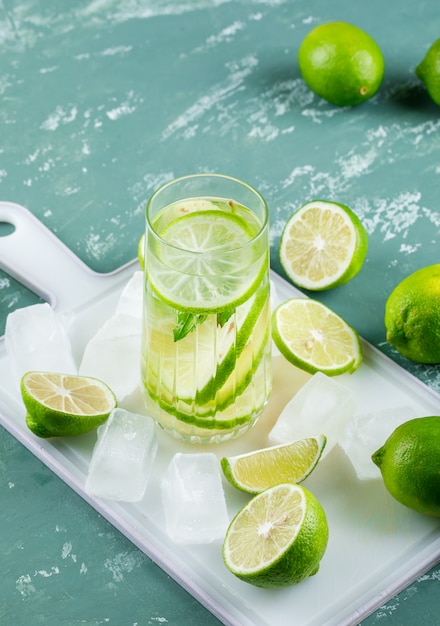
(376, 546)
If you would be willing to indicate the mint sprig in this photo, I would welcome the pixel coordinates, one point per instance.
(187, 322)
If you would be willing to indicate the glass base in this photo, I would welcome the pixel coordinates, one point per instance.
(190, 433)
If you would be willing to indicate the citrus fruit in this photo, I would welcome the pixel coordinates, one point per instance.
(141, 251)
(412, 316)
(323, 245)
(212, 259)
(278, 538)
(286, 463)
(429, 71)
(409, 462)
(64, 404)
(341, 63)
(315, 338)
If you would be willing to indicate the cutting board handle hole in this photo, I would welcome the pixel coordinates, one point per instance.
(6, 228)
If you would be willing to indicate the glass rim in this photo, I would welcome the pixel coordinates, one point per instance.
(264, 224)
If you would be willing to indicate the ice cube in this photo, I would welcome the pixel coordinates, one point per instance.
(123, 457)
(366, 432)
(130, 300)
(321, 406)
(193, 498)
(36, 339)
(113, 354)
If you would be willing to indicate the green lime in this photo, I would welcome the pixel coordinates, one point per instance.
(409, 462)
(255, 471)
(61, 405)
(315, 338)
(141, 251)
(212, 260)
(278, 538)
(341, 63)
(412, 316)
(323, 245)
(429, 71)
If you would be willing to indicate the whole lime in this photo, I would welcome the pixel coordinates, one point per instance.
(341, 63)
(409, 462)
(412, 316)
(429, 71)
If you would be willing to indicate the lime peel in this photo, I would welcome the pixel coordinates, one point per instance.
(341, 63)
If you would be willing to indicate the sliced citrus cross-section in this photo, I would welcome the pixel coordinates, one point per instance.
(323, 245)
(278, 538)
(315, 338)
(256, 471)
(64, 404)
(211, 259)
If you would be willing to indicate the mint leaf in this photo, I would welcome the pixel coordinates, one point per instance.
(223, 317)
(186, 323)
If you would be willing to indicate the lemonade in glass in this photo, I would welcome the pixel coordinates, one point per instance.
(206, 349)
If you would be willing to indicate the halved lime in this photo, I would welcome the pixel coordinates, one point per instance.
(256, 471)
(315, 338)
(64, 404)
(278, 538)
(212, 260)
(323, 245)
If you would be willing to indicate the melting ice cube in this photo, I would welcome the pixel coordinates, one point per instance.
(123, 457)
(367, 432)
(193, 499)
(114, 352)
(321, 406)
(36, 339)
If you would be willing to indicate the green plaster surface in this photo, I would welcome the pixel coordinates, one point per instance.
(104, 100)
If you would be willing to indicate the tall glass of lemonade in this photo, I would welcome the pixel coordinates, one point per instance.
(206, 324)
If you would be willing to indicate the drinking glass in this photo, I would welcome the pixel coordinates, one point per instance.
(206, 349)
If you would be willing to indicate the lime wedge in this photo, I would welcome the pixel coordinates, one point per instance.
(61, 405)
(314, 338)
(212, 262)
(286, 463)
(278, 538)
(323, 245)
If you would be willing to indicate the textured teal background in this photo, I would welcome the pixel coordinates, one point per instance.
(102, 101)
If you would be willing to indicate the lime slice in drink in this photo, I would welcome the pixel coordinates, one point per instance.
(232, 410)
(61, 405)
(141, 251)
(278, 538)
(323, 245)
(174, 361)
(212, 262)
(314, 338)
(256, 471)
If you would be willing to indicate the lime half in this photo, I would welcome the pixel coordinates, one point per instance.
(315, 338)
(212, 260)
(323, 245)
(286, 463)
(278, 538)
(61, 405)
